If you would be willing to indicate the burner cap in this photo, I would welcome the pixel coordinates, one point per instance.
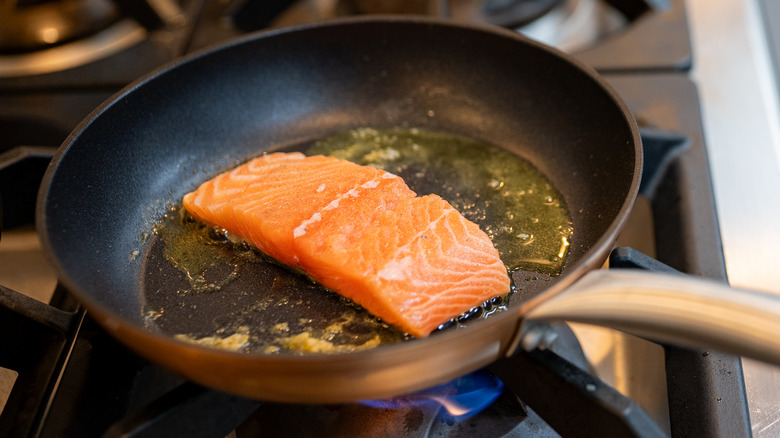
(505, 13)
(31, 25)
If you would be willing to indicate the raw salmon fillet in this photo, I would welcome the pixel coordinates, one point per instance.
(414, 262)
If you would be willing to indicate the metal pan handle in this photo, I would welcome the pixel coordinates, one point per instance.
(674, 309)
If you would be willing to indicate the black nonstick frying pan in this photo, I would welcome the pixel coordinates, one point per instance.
(137, 154)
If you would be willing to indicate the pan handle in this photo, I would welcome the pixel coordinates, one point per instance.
(674, 309)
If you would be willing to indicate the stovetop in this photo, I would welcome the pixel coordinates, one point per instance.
(693, 392)
(735, 69)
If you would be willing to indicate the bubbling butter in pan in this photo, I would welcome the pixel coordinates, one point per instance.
(267, 308)
(518, 208)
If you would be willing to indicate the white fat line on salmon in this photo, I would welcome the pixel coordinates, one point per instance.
(270, 162)
(396, 269)
(300, 230)
(403, 270)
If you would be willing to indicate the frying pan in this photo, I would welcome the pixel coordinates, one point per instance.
(140, 152)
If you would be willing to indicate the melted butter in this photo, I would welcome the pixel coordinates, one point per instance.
(510, 200)
(307, 343)
(235, 342)
(193, 251)
(239, 299)
(335, 338)
(518, 208)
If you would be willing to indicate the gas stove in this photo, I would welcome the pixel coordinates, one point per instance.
(67, 377)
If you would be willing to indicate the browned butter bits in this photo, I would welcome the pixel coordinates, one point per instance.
(222, 294)
(518, 208)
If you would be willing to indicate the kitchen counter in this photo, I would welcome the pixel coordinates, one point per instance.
(733, 70)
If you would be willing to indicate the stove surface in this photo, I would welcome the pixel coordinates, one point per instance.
(734, 71)
(663, 78)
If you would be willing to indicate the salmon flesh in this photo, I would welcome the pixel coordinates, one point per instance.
(413, 261)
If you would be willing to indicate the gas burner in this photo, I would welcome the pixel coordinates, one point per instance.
(461, 398)
(28, 26)
(56, 44)
(592, 30)
(112, 40)
(42, 37)
(575, 24)
(504, 13)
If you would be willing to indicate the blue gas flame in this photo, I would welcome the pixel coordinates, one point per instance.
(461, 398)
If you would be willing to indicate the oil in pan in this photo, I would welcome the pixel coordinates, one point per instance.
(218, 291)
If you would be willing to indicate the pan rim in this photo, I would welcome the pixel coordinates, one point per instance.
(594, 256)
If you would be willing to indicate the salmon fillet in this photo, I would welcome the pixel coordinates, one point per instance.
(414, 262)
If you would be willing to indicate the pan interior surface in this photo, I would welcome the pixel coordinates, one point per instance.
(202, 284)
(120, 171)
